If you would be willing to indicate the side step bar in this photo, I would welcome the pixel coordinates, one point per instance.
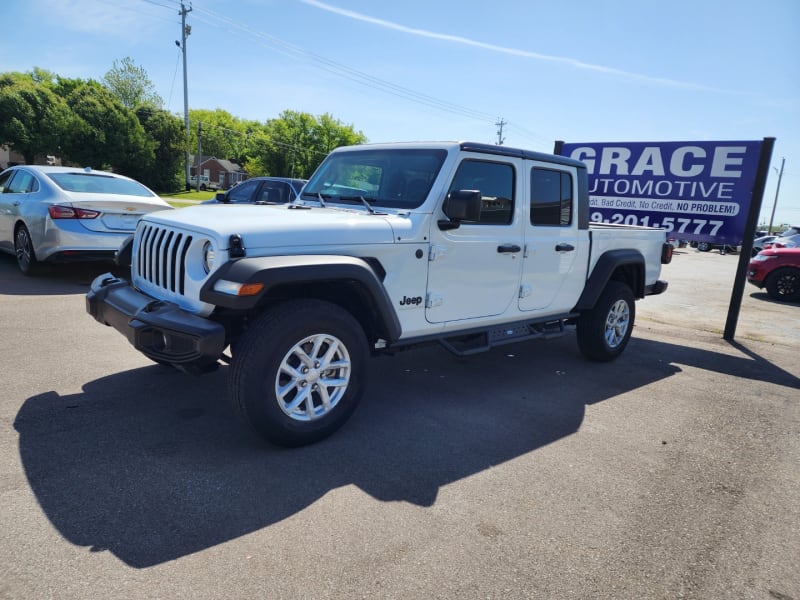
(467, 345)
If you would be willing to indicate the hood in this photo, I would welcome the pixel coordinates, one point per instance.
(281, 226)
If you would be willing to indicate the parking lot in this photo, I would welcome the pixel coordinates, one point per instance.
(525, 472)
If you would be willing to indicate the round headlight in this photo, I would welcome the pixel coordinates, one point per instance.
(208, 257)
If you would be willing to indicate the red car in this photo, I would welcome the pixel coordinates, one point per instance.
(778, 270)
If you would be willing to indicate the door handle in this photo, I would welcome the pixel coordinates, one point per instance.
(509, 248)
(564, 247)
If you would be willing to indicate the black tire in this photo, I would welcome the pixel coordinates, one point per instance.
(784, 284)
(23, 249)
(269, 355)
(604, 331)
(703, 246)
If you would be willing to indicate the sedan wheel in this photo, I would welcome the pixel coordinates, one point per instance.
(23, 248)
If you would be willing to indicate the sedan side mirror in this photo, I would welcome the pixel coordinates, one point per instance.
(221, 197)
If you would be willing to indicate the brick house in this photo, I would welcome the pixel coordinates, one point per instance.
(221, 173)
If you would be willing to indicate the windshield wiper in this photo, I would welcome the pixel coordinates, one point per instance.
(364, 201)
(339, 198)
(317, 196)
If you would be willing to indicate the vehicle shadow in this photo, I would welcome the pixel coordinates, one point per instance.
(151, 464)
(50, 280)
(765, 297)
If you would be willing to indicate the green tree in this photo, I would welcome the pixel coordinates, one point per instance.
(223, 135)
(294, 144)
(131, 85)
(104, 133)
(166, 134)
(32, 116)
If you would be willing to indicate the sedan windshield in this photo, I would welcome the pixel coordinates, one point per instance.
(388, 178)
(97, 183)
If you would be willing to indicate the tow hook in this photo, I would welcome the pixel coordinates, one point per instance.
(151, 306)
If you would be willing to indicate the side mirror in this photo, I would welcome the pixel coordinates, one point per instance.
(221, 197)
(461, 205)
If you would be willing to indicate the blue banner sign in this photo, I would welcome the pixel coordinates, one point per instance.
(697, 191)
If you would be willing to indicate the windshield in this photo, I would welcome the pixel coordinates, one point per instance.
(96, 183)
(389, 178)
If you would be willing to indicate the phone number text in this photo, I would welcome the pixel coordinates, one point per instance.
(678, 225)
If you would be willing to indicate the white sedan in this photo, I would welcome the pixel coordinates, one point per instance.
(60, 214)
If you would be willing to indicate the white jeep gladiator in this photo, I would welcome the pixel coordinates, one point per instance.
(389, 245)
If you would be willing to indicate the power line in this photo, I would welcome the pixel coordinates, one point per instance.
(216, 20)
(344, 71)
(139, 12)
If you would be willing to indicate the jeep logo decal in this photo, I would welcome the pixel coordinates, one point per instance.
(415, 301)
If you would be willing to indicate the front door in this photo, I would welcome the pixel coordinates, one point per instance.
(474, 269)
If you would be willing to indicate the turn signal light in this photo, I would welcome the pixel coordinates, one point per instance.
(234, 288)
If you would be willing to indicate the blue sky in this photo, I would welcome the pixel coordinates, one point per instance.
(585, 71)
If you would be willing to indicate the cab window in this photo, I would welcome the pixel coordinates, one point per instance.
(551, 197)
(495, 181)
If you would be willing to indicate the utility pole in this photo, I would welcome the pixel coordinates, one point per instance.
(199, 159)
(500, 138)
(777, 189)
(185, 31)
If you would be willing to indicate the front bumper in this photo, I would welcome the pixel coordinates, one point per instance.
(162, 331)
(756, 279)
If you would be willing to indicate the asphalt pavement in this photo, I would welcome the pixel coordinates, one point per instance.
(525, 472)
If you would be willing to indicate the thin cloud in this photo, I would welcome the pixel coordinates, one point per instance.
(572, 62)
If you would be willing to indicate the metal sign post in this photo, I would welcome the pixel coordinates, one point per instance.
(747, 243)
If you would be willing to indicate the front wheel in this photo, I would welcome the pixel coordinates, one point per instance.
(784, 284)
(297, 373)
(703, 246)
(604, 331)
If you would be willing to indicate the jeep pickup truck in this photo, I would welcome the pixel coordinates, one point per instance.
(389, 246)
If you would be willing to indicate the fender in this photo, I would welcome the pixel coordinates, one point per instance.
(276, 271)
(604, 269)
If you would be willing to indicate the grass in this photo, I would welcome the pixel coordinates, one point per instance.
(193, 195)
(183, 199)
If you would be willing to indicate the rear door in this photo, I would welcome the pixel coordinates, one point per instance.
(556, 252)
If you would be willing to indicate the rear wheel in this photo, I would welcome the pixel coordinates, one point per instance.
(784, 284)
(23, 248)
(604, 331)
(703, 246)
(297, 374)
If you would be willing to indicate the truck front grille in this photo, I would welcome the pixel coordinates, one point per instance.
(161, 257)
